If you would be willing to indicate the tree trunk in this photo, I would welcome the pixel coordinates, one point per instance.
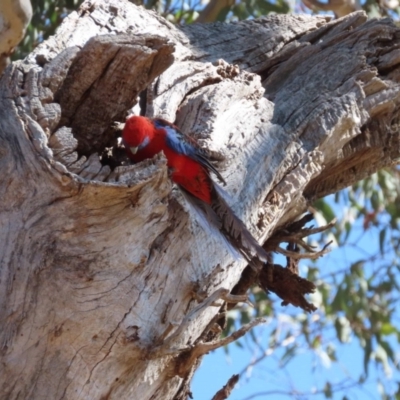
(100, 261)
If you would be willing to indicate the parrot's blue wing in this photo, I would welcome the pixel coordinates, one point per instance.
(184, 144)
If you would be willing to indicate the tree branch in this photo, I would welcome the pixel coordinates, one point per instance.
(341, 8)
(225, 392)
(212, 10)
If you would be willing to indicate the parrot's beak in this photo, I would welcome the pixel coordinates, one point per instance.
(133, 149)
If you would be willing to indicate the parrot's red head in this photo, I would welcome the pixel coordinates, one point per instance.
(137, 133)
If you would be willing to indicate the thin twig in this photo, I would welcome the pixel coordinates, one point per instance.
(224, 393)
(299, 256)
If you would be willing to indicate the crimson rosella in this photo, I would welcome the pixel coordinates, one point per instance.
(190, 169)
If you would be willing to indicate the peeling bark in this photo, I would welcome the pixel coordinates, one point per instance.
(99, 259)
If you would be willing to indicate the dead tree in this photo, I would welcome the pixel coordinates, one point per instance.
(102, 265)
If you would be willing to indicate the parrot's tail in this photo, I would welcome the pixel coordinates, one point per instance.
(221, 220)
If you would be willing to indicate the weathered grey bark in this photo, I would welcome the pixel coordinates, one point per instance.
(99, 265)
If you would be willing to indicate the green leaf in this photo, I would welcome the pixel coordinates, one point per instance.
(239, 344)
(338, 303)
(397, 395)
(316, 342)
(367, 354)
(240, 11)
(331, 352)
(266, 7)
(343, 329)
(374, 11)
(382, 235)
(223, 14)
(288, 355)
(382, 356)
(375, 201)
(388, 349)
(357, 268)
(325, 209)
(387, 329)
(328, 390)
